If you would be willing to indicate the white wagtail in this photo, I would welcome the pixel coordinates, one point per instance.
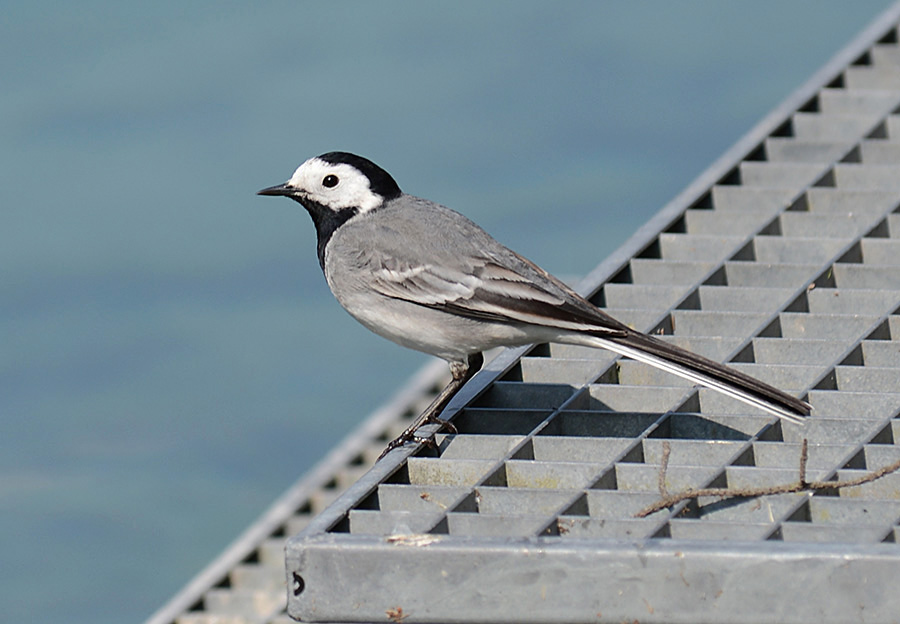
(429, 279)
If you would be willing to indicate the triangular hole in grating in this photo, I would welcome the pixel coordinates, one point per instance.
(854, 255)
(718, 278)
(799, 304)
(811, 106)
(854, 358)
(746, 458)
(785, 130)
(879, 132)
(857, 462)
(732, 178)
(882, 332)
(801, 514)
(704, 203)
(890, 37)
(854, 156)
(599, 298)
(747, 253)
(757, 154)
(665, 327)
(745, 355)
(579, 507)
(526, 451)
(622, 276)
(828, 381)
(772, 330)
(864, 59)
(690, 302)
(801, 204)
(882, 230)
(773, 228)
(827, 180)
(824, 280)
(651, 251)
(884, 436)
(679, 226)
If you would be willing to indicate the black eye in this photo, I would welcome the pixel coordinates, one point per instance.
(330, 180)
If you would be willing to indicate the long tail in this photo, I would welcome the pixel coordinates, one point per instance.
(705, 372)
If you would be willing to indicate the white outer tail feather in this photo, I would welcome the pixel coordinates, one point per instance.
(690, 375)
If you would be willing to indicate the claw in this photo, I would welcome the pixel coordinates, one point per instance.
(395, 443)
(410, 436)
(426, 441)
(461, 374)
(445, 424)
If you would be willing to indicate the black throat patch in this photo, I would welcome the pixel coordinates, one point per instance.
(327, 221)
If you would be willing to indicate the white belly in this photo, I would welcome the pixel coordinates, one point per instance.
(445, 335)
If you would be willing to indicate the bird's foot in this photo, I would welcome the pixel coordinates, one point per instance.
(410, 435)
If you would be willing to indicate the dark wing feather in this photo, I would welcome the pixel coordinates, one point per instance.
(521, 294)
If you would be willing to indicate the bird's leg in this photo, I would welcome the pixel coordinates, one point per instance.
(462, 372)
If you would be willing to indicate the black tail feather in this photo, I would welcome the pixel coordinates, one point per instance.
(713, 370)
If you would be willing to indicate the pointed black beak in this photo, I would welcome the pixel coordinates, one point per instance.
(281, 189)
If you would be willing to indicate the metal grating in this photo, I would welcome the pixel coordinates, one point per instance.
(784, 260)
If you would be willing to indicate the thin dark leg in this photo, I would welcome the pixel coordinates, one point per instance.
(462, 372)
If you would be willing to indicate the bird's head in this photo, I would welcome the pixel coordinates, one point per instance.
(338, 181)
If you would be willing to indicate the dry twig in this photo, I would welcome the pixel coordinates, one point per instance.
(801, 485)
(663, 466)
(804, 456)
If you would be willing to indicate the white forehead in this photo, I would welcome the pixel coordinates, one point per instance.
(352, 190)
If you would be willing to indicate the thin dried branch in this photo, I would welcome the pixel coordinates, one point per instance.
(801, 485)
(663, 466)
(804, 456)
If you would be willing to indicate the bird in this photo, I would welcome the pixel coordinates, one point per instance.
(430, 279)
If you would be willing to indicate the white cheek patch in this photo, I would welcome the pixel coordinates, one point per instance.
(352, 190)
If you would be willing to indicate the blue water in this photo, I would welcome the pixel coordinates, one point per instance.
(171, 358)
